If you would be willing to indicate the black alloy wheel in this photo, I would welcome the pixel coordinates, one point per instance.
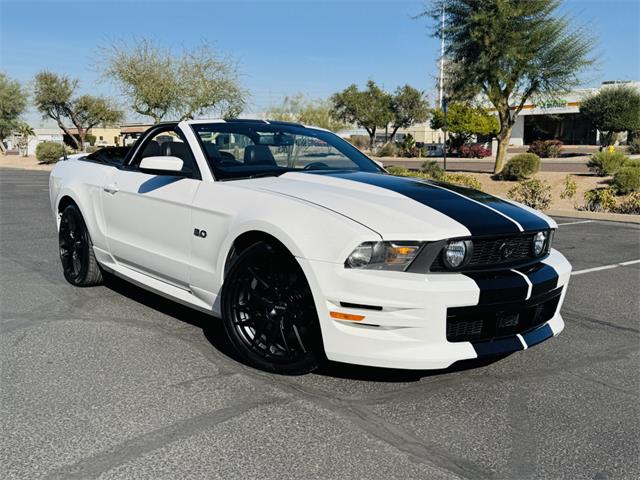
(76, 250)
(268, 311)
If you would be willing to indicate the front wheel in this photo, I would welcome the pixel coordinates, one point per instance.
(76, 250)
(268, 311)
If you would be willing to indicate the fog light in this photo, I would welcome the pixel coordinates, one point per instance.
(539, 242)
(454, 253)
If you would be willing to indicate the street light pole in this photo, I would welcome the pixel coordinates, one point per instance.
(445, 104)
(442, 59)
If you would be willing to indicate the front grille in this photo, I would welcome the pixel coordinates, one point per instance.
(488, 253)
(488, 322)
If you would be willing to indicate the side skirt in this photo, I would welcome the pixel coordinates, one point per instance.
(166, 290)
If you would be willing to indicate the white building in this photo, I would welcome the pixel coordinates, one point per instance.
(559, 118)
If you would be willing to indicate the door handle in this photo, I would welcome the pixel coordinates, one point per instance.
(112, 189)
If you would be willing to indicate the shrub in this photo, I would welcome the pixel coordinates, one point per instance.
(634, 146)
(632, 162)
(546, 148)
(627, 180)
(474, 151)
(629, 204)
(433, 169)
(399, 171)
(600, 200)
(49, 152)
(606, 162)
(461, 179)
(520, 167)
(361, 142)
(533, 193)
(387, 150)
(408, 147)
(455, 178)
(570, 187)
(90, 139)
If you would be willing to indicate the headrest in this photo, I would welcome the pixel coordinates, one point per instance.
(258, 155)
(175, 149)
(212, 151)
(151, 149)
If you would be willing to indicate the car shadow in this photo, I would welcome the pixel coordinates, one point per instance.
(213, 331)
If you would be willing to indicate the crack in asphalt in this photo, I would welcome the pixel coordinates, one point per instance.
(417, 449)
(93, 466)
(580, 317)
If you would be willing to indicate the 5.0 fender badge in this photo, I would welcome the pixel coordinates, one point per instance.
(200, 233)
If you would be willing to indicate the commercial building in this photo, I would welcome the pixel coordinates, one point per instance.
(558, 118)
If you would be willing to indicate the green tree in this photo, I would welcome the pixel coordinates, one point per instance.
(54, 98)
(370, 109)
(509, 51)
(88, 111)
(464, 121)
(409, 106)
(300, 109)
(13, 101)
(613, 110)
(160, 81)
(23, 131)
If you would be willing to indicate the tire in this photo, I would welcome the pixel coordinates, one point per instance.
(268, 312)
(79, 263)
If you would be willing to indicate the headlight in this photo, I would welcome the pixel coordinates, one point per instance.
(383, 255)
(454, 253)
(540, 243)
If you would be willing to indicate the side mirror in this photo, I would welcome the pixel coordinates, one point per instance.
(162, 165)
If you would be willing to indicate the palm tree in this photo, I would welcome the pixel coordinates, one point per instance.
(23, 132)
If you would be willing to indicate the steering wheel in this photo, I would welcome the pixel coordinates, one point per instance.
(316, 166)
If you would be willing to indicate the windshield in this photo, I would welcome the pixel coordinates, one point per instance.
(247, 149)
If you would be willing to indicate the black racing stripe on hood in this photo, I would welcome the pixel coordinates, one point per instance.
(475, 217)
(529, 221)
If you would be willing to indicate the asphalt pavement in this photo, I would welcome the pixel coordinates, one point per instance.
(113, 382)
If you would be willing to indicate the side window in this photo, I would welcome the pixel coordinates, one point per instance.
(169, 143)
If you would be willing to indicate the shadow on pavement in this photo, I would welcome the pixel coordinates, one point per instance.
(214, 333)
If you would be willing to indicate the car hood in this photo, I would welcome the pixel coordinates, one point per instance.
(400, 208)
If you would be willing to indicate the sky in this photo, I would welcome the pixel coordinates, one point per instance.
(316, 47)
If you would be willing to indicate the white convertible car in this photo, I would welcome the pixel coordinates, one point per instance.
(307, 249)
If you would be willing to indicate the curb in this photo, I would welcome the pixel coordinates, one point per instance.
(602, 216)
(30, 168)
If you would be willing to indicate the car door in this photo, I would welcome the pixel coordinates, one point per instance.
(148, 214)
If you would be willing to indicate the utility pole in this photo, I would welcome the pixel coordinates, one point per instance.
(441, 58)
(445, 104)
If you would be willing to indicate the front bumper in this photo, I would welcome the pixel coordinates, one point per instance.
(407, 326)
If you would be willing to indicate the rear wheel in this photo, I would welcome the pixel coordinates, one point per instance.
(268, 311)
(76, 250)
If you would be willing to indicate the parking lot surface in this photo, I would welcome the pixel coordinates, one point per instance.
(113, 382)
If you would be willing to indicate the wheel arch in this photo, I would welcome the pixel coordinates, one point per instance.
(64, 202)
(248, 238)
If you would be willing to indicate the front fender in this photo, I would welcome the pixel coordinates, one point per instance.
(307, 230)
